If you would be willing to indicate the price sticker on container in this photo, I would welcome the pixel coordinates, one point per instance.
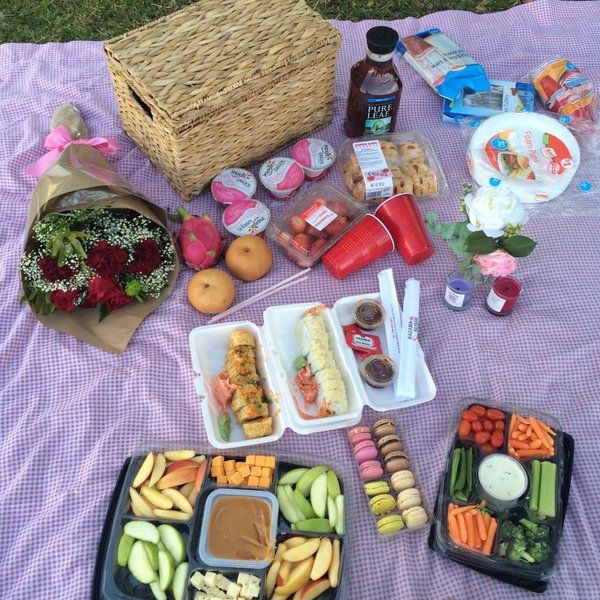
(374, 168)
(318, 215)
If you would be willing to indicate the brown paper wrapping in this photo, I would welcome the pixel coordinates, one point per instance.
(80, 177)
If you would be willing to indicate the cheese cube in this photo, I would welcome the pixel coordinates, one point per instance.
(233, 590)
(250, 459)
(265, 472)
(253, 481)
(219, 471)
(210, 579)
(222, 582)
(270, 462)
(244, 471)
(238, 465)
(243, 578)
(218, 460)
(235, 479)
(197, 580)
(229, 466)
(222, 479)
(201, 596)
(256, 471)
(264, 482)
(260, 460)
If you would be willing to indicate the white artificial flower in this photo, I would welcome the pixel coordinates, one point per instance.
(491, 209)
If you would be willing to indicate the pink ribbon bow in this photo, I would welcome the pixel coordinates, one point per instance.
(58, 140)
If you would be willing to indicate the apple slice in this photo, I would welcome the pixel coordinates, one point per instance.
(123, 549)
(178, 499)
(333, 484)
(334, 568)
(339, 525)
(306, 480)
(174, 542)
(284, 572)
(199, 459)
(152, 551)
(318, 495)
(176, 478)
(281, 548)
(180, 464)
(200, 474)
(175, 455)
(322, 560)
(186, 489)
(166, 569)
(294, 541)
(160, 463)
(144, 471)
(193, 495)
(142, 530)
(179, 585)
(287, 505)
(298, 577)
(291, 477)
(271, 579)
(172, 515)
(157, 592)
(331, 511)
(302, 552)
(141, 506)
(155, 497)
(304, 505)
(313, 589)
(139, 564)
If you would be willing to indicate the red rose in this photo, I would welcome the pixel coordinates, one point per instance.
(99, 289)
(107, 260)
(51, 270)
(64, 301)
(145, 257)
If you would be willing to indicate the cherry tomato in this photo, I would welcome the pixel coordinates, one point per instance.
(314, 231)
(469, 415)
(497, 438)
(297, 224)
(482, 437)
(494, 414)
(487, 448)
(499, 425)
(317, 246)
(488, 425)
(303, 242)
(464, 428)
(476, 426)
(336, 226)
(477, 409)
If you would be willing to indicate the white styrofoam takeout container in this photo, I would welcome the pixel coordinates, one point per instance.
(276, 349)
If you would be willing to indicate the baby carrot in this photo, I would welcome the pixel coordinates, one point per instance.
(481, 526)
(540, 433)
(529, 430)
(522, 437)
(518, 444)
(491, 533)
(514, 435)
(453, 528)
(535, 444)
(536, 452)
(462, 527)
(462, 509)
(546, 428)
(470, 529)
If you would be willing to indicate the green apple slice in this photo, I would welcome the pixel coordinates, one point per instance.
(291, 477)
(333, 484)
(158, 593)
(174, 542)
(332, 511)
(166, 568)
(305, 482)
(152, 551)
(304, 505)
(139, 564)
(287, 505)
(123, 549)
(142, 530)
(179, 586)
(339, 525)
(318, 495)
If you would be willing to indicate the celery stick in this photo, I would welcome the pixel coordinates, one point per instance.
(534, 494)
(547, 502)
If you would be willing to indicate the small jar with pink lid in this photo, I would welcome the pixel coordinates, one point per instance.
(232, 185)
(315, 156)
(246, 217)
(281, 176)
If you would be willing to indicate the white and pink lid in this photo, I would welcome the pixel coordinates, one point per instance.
(246, 217)
(314, 154)
(281, 174)
(233, 185)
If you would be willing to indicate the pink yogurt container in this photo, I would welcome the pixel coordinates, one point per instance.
(281, 176)
(315, 156)
(246, 217)
(232, 185)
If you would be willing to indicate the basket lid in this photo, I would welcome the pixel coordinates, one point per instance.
(192, 62)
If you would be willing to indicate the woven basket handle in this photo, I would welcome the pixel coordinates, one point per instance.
(140, 102)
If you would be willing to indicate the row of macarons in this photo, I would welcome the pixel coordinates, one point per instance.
(387, 446)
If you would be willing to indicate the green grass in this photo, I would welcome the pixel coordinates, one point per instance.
(64, 20)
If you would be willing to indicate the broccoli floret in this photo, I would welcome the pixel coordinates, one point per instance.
(537, 537)
(518, 547)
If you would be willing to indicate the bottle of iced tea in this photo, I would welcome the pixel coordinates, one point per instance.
(375, 87)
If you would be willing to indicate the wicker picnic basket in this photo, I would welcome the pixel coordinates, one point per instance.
(223, 83)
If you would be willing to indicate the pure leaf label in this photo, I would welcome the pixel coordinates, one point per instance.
(479, 243)
(519, 245)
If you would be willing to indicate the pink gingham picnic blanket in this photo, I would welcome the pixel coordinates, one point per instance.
(71, 414)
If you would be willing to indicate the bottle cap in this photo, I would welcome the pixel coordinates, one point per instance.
(382, 40)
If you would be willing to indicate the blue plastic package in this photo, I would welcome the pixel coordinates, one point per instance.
(446, 67)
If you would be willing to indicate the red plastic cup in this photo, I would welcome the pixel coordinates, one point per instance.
(367, 241)
(404, 221)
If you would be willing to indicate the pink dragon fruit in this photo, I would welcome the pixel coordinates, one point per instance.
(199, 241)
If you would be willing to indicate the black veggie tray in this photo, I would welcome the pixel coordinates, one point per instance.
(114, 581)
(504, 492)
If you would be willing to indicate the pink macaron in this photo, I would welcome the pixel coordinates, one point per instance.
(359, 434)
(365, 450)
(370, 470)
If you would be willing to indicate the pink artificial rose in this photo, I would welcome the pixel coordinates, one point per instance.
(499, 263)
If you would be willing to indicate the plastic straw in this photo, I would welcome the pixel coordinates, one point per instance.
(278, 287)
(409, 340)
(393, 323)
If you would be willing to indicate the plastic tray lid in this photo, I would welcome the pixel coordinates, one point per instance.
(383, 398)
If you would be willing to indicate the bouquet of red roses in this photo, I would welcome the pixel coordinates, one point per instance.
(98, 256)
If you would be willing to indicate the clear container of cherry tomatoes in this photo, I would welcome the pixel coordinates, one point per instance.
(314, 223)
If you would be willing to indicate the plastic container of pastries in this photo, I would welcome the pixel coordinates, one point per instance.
(503, 480)
(114, 582)
(411, 162)
(314, 224)
(389, 482)
(276, 350)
